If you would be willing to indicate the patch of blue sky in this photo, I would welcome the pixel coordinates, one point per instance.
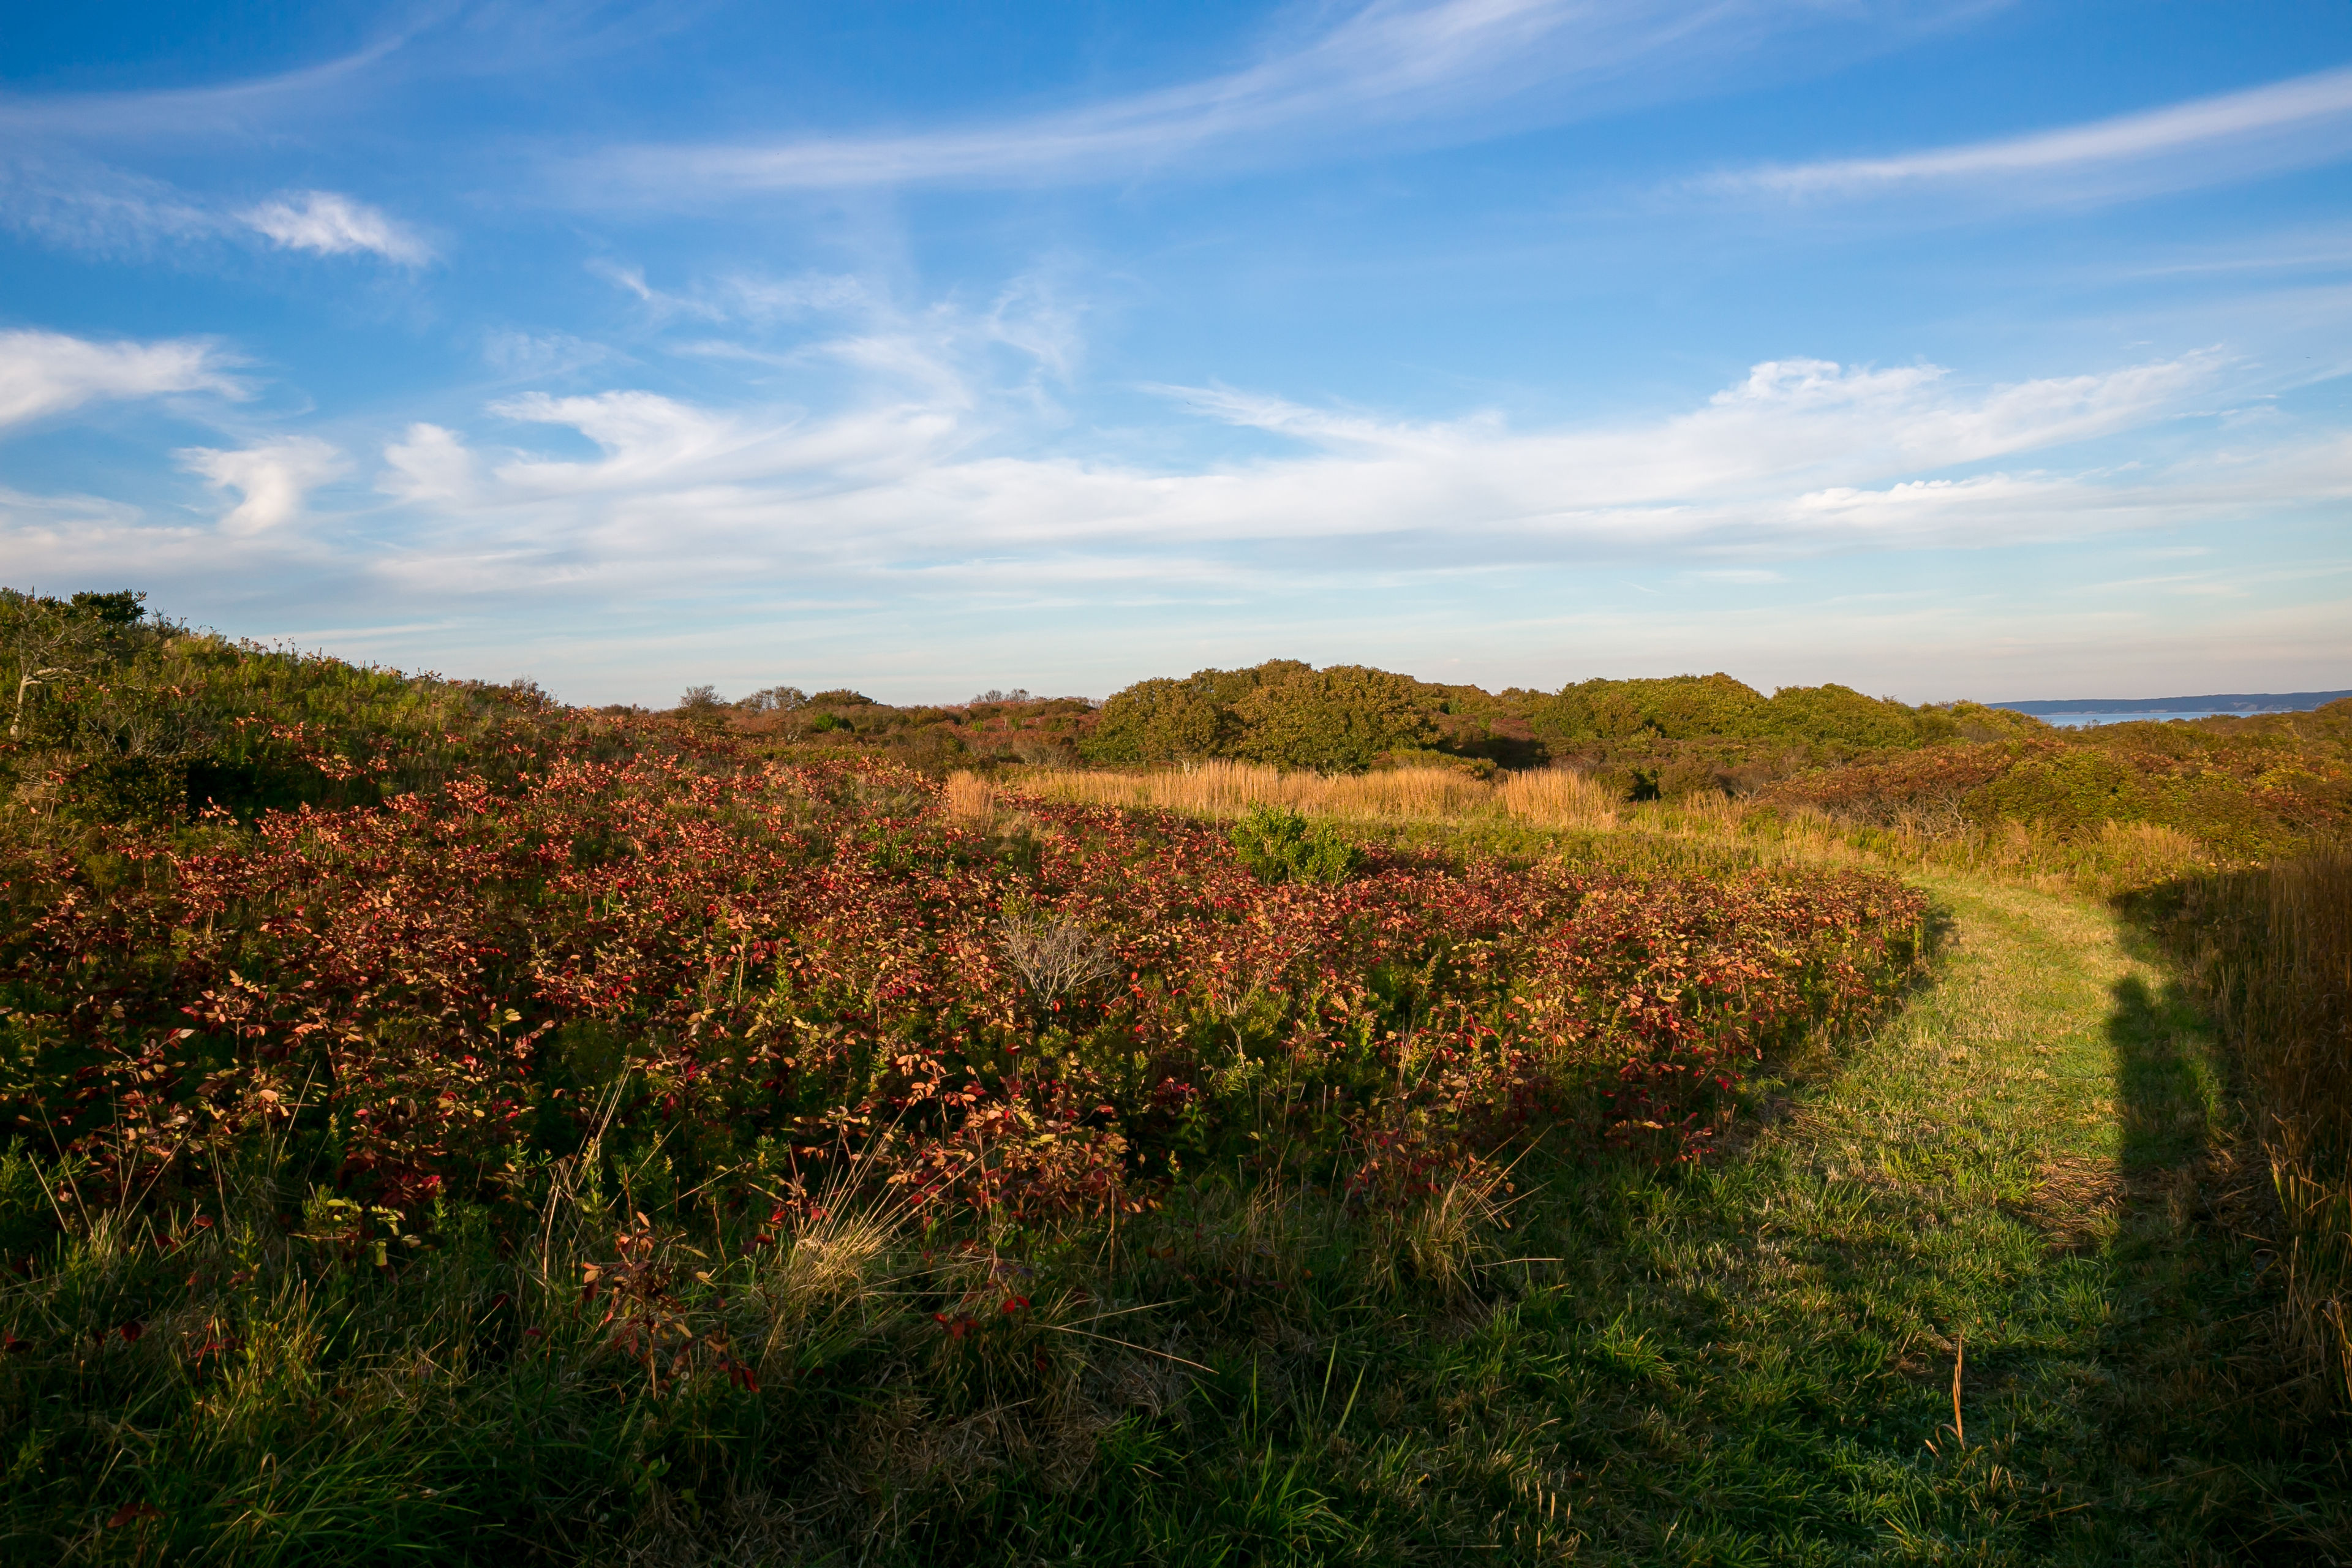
(1937, 346)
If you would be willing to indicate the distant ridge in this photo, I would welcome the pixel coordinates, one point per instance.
(2222, 702)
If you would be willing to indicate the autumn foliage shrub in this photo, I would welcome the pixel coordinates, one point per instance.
(789, 977)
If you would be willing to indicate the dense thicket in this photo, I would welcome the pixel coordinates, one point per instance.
(1348, 718)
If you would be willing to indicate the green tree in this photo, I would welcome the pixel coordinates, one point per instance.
(1167, 721)
(1677, 708)
(1835, 716)
(1339, 720)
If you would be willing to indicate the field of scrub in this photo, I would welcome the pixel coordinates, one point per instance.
(1976, 1272)
(444, 1126)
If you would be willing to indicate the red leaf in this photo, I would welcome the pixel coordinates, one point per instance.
(132, 1331)
(133, 1511)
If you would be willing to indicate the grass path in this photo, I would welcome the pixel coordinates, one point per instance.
(2016, 1178)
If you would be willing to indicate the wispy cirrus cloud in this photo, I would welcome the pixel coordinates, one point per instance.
(2283, 125)
(77, 203)
(49, 373)
(236, 108)
(1448, 68)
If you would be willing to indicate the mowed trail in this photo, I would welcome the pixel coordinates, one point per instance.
(2049, 1062)
(2010, 1181)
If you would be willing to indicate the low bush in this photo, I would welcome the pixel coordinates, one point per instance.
(1280, 845)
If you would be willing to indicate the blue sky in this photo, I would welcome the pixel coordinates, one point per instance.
(1941, 347)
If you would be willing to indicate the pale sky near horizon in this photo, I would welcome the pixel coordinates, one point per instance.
(1944, 348)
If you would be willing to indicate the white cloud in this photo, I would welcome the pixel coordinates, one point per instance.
(49, 373)
(270, 480)
(334, 225)
(1799, 457)
(1452, 68)
(2286, 124)
(431, 465)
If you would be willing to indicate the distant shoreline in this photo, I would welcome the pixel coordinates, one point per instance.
(2219, 702)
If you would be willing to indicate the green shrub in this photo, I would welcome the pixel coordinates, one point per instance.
(1339, 720)
(1833, 715)
(1679, 708)
(1162, 721)
(1280, 845)
(1167, 720)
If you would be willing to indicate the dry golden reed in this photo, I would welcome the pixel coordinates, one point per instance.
(969, 798)
(1554, 797)
(1557, 797)
(2273, 957)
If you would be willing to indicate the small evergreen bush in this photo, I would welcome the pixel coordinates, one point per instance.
(1279, 845)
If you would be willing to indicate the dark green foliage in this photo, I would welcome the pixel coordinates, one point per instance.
(1833, 716)
(1166, 721)
(1715, 707)
(1654, 738)
(1339, 720)
(1679, 708)
(1279, 845)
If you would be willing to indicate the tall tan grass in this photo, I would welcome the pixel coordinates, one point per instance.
(2272, 952)
(1554, 797)
(969, 798)
(1557, 797)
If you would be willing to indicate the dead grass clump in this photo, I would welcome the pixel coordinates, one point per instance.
(1559, 797)
(969, 799)
(823, 1276)
(1230, 789)
(1438, 1242)
(2136, 854)
(1408, 792)
(2075, 1203)
(1055, 957)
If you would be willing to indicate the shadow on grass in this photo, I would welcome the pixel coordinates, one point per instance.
(2163, 1082)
